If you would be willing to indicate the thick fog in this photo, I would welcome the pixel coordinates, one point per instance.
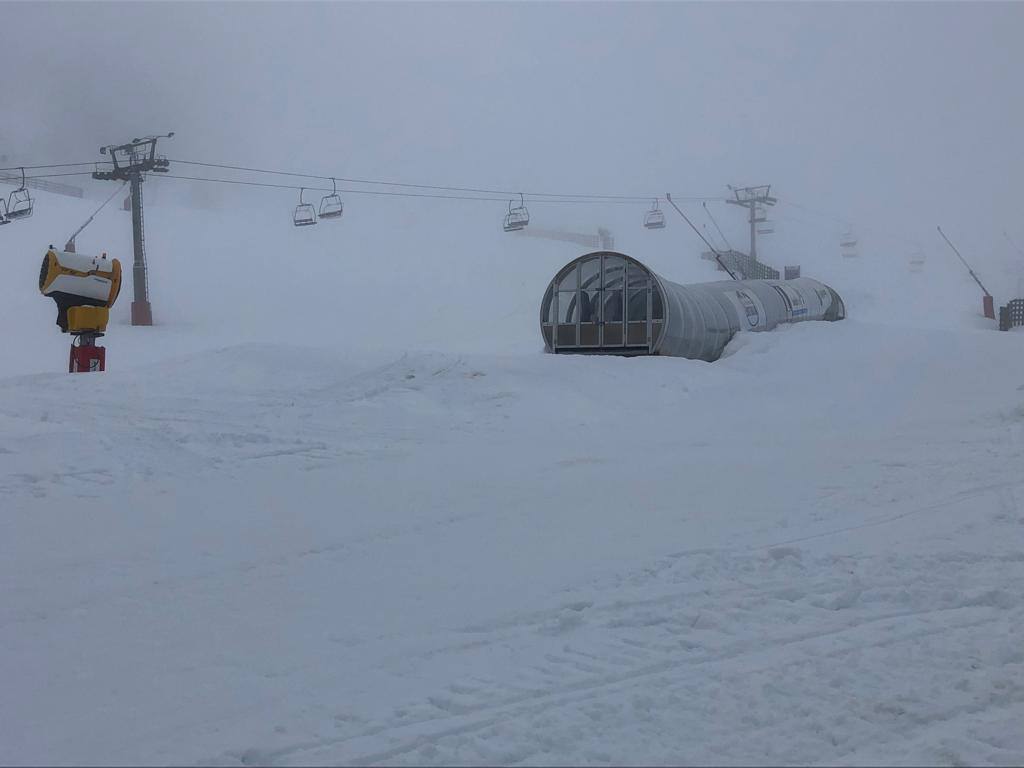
(894, 117)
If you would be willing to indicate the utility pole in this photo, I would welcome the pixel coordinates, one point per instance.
(754, 199)
(130, 162)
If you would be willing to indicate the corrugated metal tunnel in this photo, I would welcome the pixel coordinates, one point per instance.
(609, 303)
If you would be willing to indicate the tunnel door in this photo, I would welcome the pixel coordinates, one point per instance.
(605, 302)
(591, 303)
(639, 308)
(601, 303)
(613, 306)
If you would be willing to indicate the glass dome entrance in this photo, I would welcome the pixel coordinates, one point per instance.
(603, 302)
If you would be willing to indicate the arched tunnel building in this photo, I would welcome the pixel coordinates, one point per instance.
(609, 303)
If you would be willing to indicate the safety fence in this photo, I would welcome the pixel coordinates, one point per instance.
(741, 265)
(1011, 315)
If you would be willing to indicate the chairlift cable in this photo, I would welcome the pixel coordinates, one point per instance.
(381, 193)
(504, 193)
(56, 165)
(845, 222)
(7, 180)
(1010, 241)
(721, 234)
(478, 190)
(271, 185)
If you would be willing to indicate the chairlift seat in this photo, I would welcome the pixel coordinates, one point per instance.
(331, 207)
(654, 220)
(516, 219)
(305, 214)
(19, 205)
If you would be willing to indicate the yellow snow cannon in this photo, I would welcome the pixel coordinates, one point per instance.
(83, 287)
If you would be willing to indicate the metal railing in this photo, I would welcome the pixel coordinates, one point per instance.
(742, 265)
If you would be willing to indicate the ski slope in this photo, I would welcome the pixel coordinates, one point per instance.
(338, 508)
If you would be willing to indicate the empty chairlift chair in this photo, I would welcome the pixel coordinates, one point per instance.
(655, 218)
(305, 213)
(331, 206)
(20, 203)
(848, 244)
(517, 218)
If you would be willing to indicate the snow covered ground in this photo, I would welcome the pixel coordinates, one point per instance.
(344, 510)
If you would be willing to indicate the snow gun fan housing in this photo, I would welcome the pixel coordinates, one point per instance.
(84, 288)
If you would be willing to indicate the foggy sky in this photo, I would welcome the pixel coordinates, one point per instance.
(897, 117)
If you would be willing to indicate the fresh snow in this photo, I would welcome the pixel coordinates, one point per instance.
(342, 509)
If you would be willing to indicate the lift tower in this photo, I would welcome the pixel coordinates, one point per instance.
(130, 162)
(755, 200)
